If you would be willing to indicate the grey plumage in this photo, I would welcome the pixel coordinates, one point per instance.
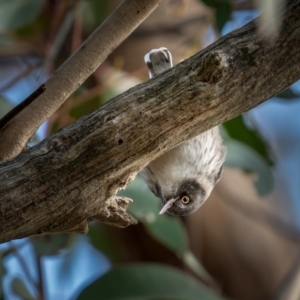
(183, 177)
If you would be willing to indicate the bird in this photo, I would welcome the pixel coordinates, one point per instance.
(183, 177)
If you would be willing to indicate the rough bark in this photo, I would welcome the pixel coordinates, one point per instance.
(72, 177)
(66, 79)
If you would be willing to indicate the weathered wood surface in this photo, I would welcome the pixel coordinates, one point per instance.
(72, 177)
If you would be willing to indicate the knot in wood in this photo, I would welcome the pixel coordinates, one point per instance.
(214, 66)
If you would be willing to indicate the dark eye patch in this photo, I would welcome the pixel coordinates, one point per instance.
(167, 55)
(192, 189)
(219, 174)
(149, 65)
(158, 191)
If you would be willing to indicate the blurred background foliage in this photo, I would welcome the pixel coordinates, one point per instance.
(237, 245)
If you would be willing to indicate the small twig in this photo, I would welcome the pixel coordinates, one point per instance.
(77, 28)
(20, 75)
(59, 10)
(59, 38)
(40, 285)
(12, 113)
(23, 264)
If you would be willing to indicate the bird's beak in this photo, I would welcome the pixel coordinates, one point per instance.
(168, 205)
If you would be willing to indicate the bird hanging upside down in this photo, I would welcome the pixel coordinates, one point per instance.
(183, 177)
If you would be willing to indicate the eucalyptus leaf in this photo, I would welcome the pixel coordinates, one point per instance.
(3, 254)
(92, 104)
(2, 268)
(209, 2)
(3, 271)
(145, 281)
(241, 156)
(5, 106)
(222, 13)
(16, 13)
(237, 130)
(94, 12)
(170, 232)
(52, 244)
(5, 41)
(288, 94)
(192, 262)
(222, 10)
(19, 288)
(145, 207)
(85, 108)
(102, 240)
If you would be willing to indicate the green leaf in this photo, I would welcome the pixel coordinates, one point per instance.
(145, 207)
(5, 106)
(19, 288)
(5, 41)
(192, 262)
(242, 156)
(222, 13)
(145, 282)
(237, 129)
(94, 12)
(16, 13)
(52, 244)
(168, 230)
(3, 271)
(85, 108)
(54, 128)
(102, 240)
(210, 3)
(288, 94)
(89, 106)
(222, 9)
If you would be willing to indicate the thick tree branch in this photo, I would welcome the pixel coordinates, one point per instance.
(16, 133)
(72, 177)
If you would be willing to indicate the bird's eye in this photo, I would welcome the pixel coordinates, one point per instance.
(185, 199)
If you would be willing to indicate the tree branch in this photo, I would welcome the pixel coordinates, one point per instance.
(72, 177)
(21, 126)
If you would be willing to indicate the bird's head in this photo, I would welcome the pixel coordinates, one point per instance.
(189, 196)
